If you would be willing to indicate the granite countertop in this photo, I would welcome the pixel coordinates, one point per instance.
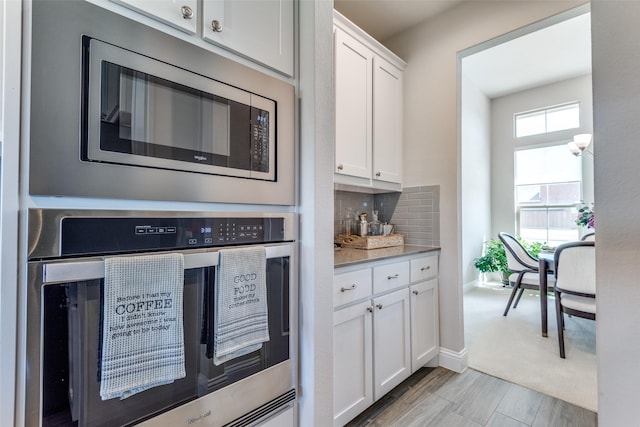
(349, 256)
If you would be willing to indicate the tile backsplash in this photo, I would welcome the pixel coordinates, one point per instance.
(415, 212)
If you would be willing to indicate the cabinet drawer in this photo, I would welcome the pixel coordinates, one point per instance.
(351, 286)
(390, 276)
(423, 268)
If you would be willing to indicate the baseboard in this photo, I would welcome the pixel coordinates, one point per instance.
(456, 361)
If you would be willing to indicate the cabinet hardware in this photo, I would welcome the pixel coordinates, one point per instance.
(370, 309)
(425, 268)
(416, 292)
(395, 276)
(343, 289)
(378, 174)
(379, 306)
(340, 167)
(216, 26)
(187, 12)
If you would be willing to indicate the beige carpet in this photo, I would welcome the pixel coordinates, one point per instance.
(512, 347)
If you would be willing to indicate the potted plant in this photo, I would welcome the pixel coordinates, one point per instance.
(495, 258)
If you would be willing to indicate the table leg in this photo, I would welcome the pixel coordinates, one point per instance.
(543, 294)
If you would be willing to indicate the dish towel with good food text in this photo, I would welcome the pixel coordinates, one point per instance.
(241, 317)
(142, 327)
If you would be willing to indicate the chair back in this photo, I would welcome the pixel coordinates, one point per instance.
(589, 237)
(575, 267)
(518, 258)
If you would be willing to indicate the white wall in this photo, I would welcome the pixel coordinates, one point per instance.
(316, 212)
(616, 100)
(430, 98)
(475, 175)
(504, 142)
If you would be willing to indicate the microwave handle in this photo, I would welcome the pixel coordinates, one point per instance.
(74, 271)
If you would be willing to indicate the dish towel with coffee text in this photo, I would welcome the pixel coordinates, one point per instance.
(142, 324)
(241, 322)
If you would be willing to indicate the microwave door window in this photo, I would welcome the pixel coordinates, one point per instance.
(149, 116)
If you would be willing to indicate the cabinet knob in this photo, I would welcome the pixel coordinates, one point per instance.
(416, 292)
(395, 276)
(425, 268)
(378, 174)
(370, 309)
(379, 306)
(340, 167)
(343, 289)
(187, 12)
(216, 26)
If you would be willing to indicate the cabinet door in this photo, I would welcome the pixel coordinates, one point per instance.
(424, 323)
(353, 75)
(387, 121)
(261, 30)
(391, 341)
(181, 14)
(352, 361)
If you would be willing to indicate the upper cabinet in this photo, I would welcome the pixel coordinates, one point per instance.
(181, 15)
(260, 30)
(368, 83)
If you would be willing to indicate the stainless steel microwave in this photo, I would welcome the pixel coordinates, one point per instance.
(122, 110)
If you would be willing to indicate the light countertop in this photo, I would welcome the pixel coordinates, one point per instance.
(349, 256)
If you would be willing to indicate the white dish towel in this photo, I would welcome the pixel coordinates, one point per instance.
(142, 327)
(241, 315)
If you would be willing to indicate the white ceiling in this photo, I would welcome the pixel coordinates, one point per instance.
(554, 53)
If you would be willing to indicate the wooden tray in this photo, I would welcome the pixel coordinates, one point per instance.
(369, 242)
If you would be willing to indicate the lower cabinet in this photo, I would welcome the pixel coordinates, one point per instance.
(424, 323)
(391, 341)
(352, 361)
(385, 327)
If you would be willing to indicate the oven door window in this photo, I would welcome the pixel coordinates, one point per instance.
(148, 113)
(71, 351)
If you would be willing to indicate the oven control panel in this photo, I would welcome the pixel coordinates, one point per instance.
(104, 235)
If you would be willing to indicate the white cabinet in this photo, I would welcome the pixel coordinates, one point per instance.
(425, 343)
(368, 120)
(385, 327)
(391, 341)
(353, 360)
(258, 29)
(181, 15)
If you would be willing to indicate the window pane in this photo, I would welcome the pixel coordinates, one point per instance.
(561, 118)
(530, 124)
(529, 194)
(551, 225)
(547, 165)
(564, 193)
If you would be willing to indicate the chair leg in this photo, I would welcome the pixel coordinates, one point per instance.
(515, 304)
(513, 294)
(560, 323)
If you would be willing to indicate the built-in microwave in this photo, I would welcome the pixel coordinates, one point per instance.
(122, 110)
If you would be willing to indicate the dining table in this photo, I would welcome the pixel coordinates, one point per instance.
(545, 266)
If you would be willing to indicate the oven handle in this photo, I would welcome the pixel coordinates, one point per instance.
(75, 271)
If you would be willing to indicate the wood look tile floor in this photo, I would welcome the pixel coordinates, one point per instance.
(437, 397)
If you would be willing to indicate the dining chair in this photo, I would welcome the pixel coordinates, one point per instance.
(589, 237)
(575, 289)
(524, 269)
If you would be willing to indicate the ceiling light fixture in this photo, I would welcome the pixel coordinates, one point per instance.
(579, 144)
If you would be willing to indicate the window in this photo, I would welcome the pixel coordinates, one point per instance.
(547, 120)
(548, 185)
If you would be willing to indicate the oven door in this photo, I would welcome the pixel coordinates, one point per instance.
(63, 354)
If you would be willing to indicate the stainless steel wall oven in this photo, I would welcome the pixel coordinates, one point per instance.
(65, 299)
(122, 110)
